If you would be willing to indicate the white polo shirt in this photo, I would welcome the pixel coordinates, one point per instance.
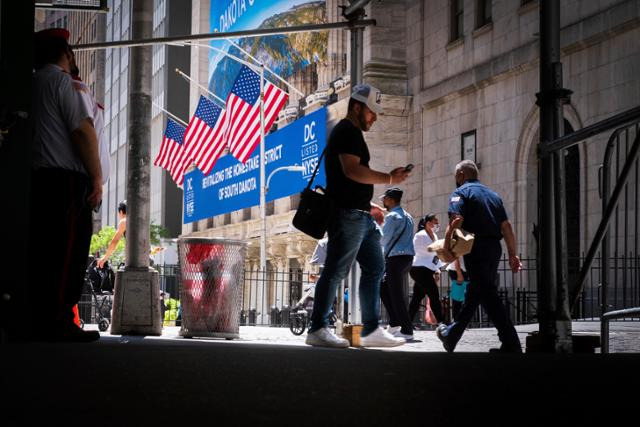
(98, 124)
(58, 110)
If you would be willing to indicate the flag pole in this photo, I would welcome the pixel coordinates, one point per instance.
(263, 204)
(289, 85)
(190, 80)
(174, 117)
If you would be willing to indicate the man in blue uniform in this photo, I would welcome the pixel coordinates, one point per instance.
(481, 211)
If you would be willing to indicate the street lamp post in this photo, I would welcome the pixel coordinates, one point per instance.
(263, 217)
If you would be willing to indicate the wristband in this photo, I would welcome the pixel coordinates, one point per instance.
(390, 179)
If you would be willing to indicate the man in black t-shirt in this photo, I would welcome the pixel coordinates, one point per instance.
(353, 233)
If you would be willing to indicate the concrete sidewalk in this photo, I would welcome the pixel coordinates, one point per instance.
(624, 337)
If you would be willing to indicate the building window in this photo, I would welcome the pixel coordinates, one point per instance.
(457, 16)
(295, 201)
(93, 61)
(226, 220)
(210, 222)
(468, 146)
(65, 23)
(483, 13)
(246, 214)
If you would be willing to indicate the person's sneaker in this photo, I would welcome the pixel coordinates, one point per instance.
(393, 329)
(380, 338)
(406, 337)
(442, 332)
(323, 338)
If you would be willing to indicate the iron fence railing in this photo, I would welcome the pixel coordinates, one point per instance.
(267, 299)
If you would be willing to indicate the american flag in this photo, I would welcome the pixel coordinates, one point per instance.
(204, 138)
(243, 112)
(172, 144)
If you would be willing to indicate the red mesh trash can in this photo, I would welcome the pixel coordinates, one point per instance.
(211, 271)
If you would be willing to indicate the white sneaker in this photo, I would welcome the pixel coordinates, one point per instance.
(323, 338)
(393, 329)
(406, 337)
(380, 338)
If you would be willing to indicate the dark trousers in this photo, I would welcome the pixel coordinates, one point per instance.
(392, 292)
(59, 239)
(482, 267)
(425, 284)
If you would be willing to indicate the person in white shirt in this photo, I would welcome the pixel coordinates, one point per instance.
(425, 270)
(96, 112)
(65, 186)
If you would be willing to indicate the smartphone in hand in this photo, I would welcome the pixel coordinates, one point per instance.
(409, 167)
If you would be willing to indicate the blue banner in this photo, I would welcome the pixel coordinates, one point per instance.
(232, 186)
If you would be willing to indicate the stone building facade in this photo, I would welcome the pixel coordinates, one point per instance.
(463, 75)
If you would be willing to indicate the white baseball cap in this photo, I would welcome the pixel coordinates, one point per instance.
(368, 95)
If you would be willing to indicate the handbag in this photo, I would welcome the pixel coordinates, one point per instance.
(429, 317)
(315, 208)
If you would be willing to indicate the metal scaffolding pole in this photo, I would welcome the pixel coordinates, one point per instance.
(148, 41)
(136, 309)
(554, 313)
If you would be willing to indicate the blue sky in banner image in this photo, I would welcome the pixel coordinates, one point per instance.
(286, 55)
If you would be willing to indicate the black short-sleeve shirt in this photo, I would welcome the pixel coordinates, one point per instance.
(346, 138)
(481, 208)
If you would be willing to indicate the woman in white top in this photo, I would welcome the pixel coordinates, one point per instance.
(425, 268)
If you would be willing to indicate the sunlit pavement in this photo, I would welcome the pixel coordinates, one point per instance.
(624, 337)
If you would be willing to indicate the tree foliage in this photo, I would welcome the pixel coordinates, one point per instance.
(100, 241)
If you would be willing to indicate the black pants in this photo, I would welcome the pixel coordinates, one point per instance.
(392, 292)
(59, 239)
(425, 284)
(482, 266)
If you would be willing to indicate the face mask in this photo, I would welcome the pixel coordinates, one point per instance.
(436, 228)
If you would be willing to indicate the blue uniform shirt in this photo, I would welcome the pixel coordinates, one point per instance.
(481, 208)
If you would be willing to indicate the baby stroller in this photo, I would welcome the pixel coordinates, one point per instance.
(99, 284)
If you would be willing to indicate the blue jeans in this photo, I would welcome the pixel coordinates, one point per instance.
(353, 236)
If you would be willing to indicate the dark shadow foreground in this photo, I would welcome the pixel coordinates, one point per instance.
(145, 382)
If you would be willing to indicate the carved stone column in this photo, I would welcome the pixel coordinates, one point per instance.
(385, 52)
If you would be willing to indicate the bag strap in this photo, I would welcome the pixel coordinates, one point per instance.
(315, 171)
(397, 238)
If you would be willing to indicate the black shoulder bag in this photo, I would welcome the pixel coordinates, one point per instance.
(315, 209)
